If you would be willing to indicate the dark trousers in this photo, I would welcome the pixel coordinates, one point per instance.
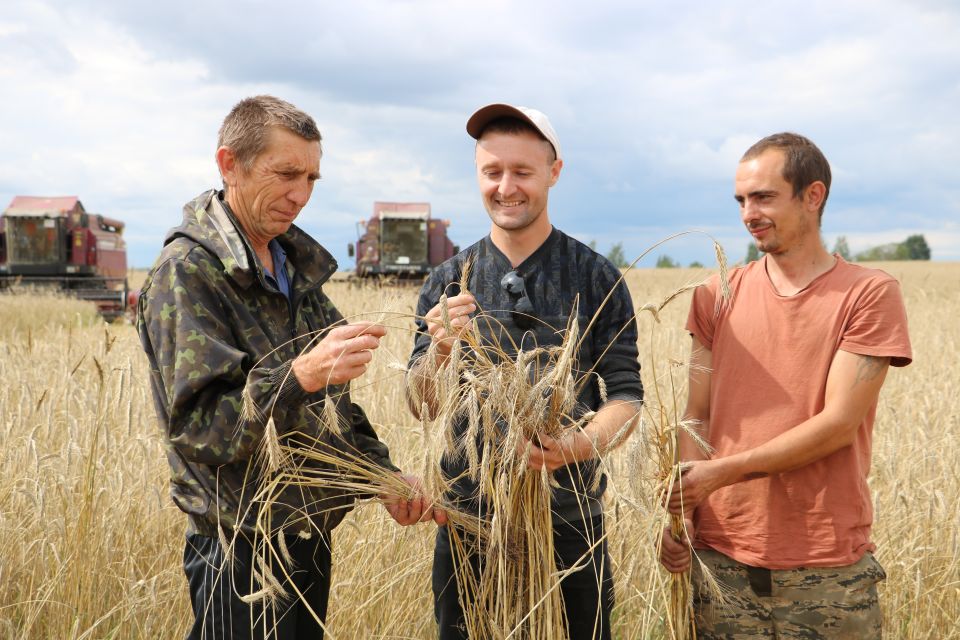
(216, 589)
(587, 593)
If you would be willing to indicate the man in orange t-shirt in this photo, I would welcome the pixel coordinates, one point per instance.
(784, 381)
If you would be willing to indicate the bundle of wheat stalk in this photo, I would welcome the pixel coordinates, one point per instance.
(666, 426)
(508, 398)
(509, 403)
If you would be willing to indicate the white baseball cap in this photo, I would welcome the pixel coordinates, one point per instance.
(484, 115)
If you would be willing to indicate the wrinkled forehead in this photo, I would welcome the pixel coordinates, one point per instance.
(285, 145)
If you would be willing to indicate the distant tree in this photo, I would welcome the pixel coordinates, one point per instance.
(617, 257)
(666, 262)
(696, 264)
(752, 253)
(891, 251)
(917, 248)
(842, 249)
(592, 244)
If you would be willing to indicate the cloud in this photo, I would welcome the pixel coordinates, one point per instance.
(115, 117)
(120, 102)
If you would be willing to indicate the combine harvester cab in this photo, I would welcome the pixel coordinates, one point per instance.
(401, 239)
(55, 243)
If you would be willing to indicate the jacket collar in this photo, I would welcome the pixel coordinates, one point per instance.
(208, 221)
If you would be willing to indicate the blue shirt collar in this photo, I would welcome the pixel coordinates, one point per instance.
(279, 277)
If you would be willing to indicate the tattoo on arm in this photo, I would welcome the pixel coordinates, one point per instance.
(869, 367)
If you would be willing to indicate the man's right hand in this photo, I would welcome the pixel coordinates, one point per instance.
(419, 508)
(459, 309)
(675, 554)
(342, 355)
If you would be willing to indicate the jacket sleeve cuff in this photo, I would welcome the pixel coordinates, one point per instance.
(289, 389)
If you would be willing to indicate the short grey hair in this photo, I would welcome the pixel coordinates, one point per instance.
(246, 127)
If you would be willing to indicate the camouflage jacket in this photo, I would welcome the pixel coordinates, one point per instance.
(218, 335)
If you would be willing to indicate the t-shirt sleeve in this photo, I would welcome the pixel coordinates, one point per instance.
(702, 319)
(615, 336)
(878, 325)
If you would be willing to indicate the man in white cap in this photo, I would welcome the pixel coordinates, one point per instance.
(530, 277)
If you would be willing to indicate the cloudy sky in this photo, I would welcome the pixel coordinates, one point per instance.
(119, 103)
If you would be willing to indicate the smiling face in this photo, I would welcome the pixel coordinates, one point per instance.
(267, 197)
(778, 221)
(515, 172)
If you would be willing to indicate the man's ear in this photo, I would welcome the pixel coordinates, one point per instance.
(555, 171)
(228, 165)
(814, 195)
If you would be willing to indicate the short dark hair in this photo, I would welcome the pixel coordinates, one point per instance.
(246, 127)
(803, 162)
(514, 126)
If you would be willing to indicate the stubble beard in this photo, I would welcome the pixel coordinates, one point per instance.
(512, 222)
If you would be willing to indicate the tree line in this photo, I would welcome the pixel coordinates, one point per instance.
(915, 247)
(618, 257)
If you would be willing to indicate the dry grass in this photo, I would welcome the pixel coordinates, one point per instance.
(88, 532)
(92, 544)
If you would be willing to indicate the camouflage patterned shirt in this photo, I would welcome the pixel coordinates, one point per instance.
(217, 335)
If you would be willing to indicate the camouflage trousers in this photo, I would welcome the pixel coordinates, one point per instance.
(820, 602)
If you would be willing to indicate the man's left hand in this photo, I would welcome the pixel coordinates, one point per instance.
(698, 479)
(553, 453)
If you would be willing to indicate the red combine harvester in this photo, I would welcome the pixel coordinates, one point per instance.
(401, 239)
(56, 243)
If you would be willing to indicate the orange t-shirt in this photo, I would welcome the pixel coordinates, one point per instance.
(770, 357)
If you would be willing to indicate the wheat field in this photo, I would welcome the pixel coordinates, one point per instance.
(92, 544)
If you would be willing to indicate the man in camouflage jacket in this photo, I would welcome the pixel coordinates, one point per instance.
(239, 333)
